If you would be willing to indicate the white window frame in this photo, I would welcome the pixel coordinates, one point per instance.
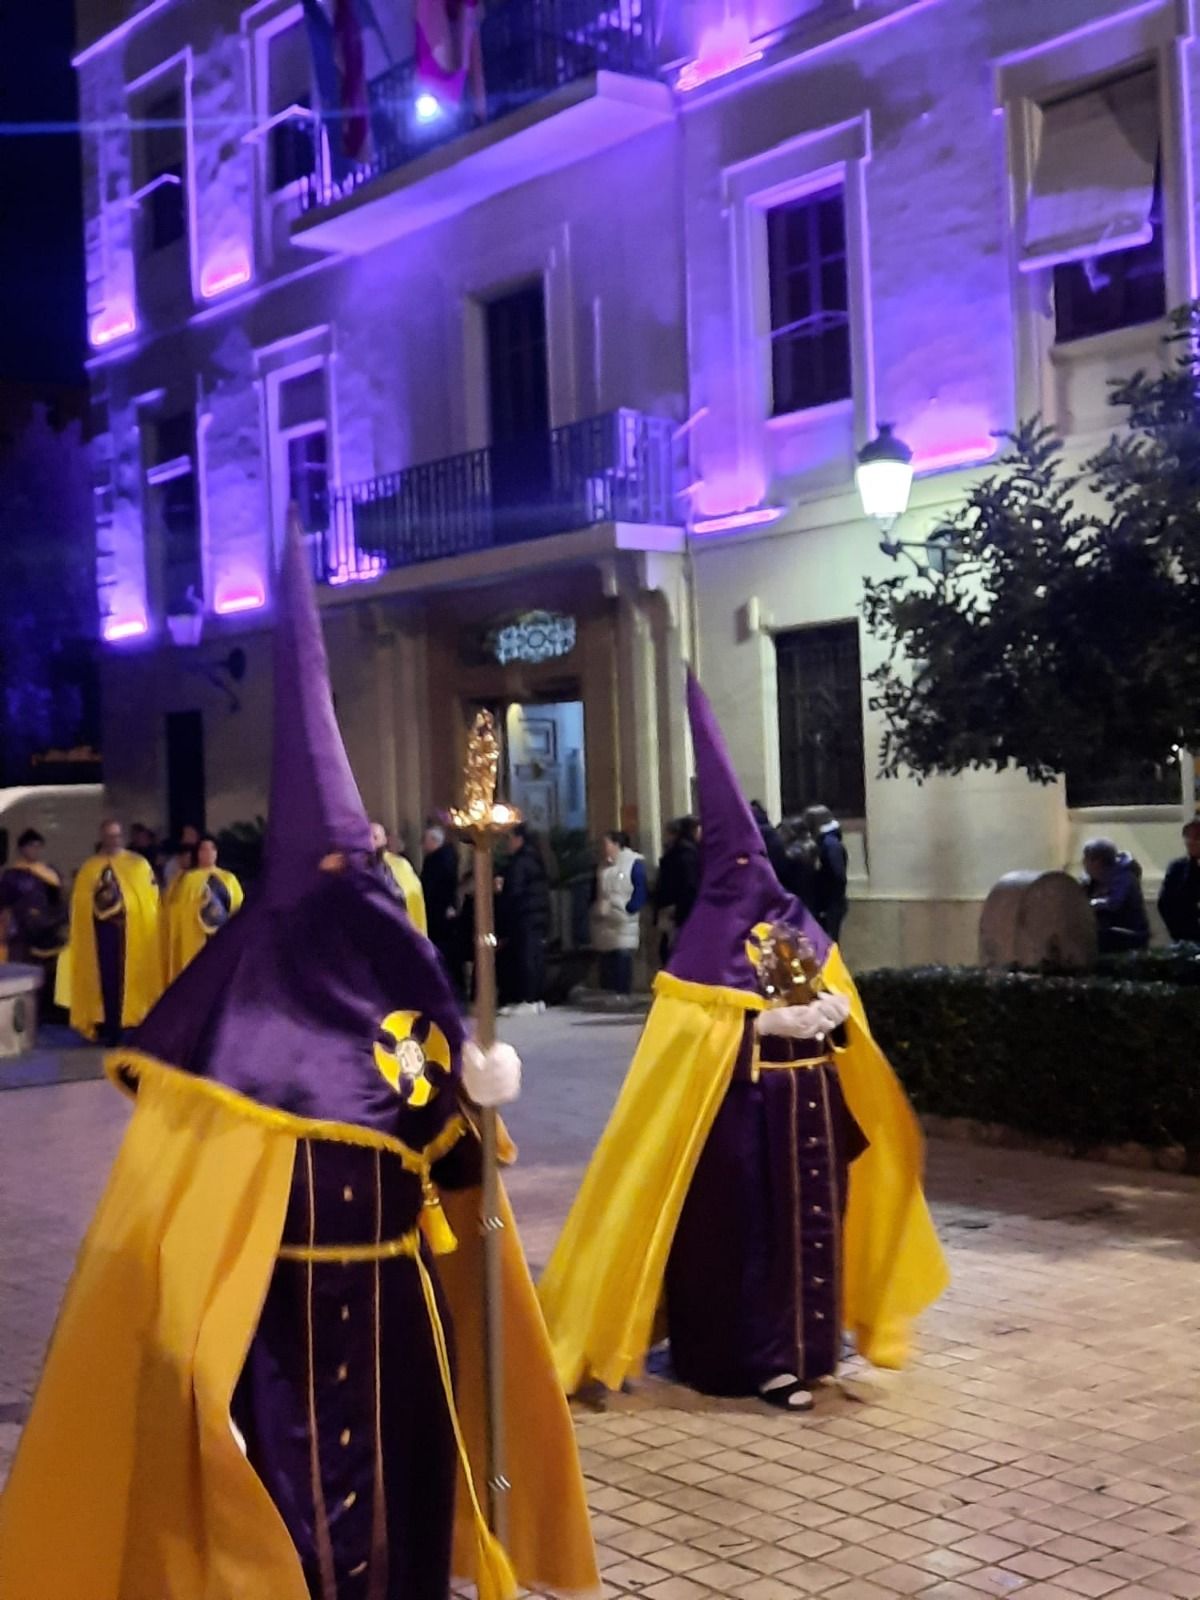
(261, 24)
(798, 168)
(277, 364)
(178, 68)
(152, 408)
(1154, 36)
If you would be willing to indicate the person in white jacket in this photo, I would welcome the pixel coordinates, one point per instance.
(621, 892)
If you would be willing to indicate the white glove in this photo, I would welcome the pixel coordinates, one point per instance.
(823, 1015)
(491, 1078)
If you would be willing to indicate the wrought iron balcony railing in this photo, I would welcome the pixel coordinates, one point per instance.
(529, 48)
(614, 468)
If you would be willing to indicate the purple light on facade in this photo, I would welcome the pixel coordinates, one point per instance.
(118, 322)
(246, 597)
(224, 274)
(118, 628)
(723, 49)
(758, 517)
(360, 569)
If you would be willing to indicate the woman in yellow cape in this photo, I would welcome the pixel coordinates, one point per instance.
(722, 1174)
(264, 1383)
(199, 902)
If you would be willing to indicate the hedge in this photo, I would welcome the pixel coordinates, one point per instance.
(1091, 1060)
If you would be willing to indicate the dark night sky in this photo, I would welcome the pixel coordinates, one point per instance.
(41, 244)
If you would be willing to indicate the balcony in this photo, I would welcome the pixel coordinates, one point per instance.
(613, 469)
(563, 80)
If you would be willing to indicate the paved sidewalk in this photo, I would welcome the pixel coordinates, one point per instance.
(1045, 1439)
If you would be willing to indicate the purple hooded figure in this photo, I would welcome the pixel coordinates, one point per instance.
(764, 1207)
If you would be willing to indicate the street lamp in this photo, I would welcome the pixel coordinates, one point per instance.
(884, 477)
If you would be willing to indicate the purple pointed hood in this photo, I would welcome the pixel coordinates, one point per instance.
(315, 807)
(285, 1003)
(738, 886)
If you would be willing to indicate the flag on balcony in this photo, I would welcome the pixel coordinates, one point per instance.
(339, 70)
(449, 60)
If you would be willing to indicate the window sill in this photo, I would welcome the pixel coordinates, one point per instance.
(1127, 814)
(1139, 338)
(789, 421)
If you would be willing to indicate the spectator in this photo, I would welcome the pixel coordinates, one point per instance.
(182, 857)
(771, 837)
(678, 882)
(400, 876)
(1179, 898)
(33, 911)
(832, 870)
(621, 892)
(1113, 883)
(523, 915)
(802, 861)
(439, 880)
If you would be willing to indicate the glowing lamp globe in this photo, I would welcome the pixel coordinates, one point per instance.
(428, 108)
(884, 475)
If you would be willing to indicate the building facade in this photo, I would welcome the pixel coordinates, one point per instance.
(567, 376)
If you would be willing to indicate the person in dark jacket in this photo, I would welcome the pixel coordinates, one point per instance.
(832, 869)
(802, 861)
(678, 882)
(523, 916)
(1112, 881)
(1179, 898)
(439, 881)
(771, 838)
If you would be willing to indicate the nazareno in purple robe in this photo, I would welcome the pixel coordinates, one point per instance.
(754, 1274)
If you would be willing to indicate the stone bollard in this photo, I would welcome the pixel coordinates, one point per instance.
(1031, 919)
(19, 988)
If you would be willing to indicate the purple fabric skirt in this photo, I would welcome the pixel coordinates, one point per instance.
(341, 1401)
(754, 1274)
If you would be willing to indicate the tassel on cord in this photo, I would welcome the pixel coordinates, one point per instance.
(494, 1577)
(438, 1232)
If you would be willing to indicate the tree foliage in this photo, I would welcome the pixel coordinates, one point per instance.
(1066, 627)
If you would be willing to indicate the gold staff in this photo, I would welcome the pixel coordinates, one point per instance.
(482, 820)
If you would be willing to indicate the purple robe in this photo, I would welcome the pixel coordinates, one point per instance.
(754, 1274)
(341, 1400)
(108, 913)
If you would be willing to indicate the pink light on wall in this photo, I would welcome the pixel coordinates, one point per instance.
(224, 274)
(242, 597)
(968, 454)
(723, 49)
(114, 322)
(118, 628)
(360, 569)
(758, 517)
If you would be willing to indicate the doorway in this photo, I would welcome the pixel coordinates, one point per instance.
(185, 771)
(519, 412)
(546, 765)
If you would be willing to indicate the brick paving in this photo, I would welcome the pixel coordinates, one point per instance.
(1045, 1439)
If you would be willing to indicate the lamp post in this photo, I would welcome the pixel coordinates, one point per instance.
(884, 476)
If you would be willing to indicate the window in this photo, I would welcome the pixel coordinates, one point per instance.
(1108, 784)
(292, 148)
(171, 486)
(303, 440)
(820, 719)
(1094, 211)
(810, 307)
(164, 151)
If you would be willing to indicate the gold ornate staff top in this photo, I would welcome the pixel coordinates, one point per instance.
(480, 813)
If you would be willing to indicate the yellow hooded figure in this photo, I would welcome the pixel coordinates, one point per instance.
(111, 971)
(761, 1171)
(265, 1381)
(197, 905)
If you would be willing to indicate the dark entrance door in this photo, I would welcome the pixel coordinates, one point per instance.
(519, 410)
(185, 770)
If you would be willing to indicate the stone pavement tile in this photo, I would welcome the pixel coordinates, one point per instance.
(677, 1589)
(860, 1589)
(681, 1558)
(994, 1580)
(1185, 1585)
(946, 1563)
(767, 1589)
(1036, 1565)
(857, 1559)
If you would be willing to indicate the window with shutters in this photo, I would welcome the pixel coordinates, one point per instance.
(291, 152)
(302, 436)
(164, 162)
(821, 753)
(171, 491)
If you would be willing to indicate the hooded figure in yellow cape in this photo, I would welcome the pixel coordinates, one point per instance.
(762, 1165)
(111, 969)
(198, 904)
(265, 1380)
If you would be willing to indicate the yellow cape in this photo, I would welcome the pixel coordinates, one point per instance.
(128, 1482)
(143, 956)
(409, 884)
(601, 1290)
(184, 935)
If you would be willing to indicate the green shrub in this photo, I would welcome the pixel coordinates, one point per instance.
(1093, 1060)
